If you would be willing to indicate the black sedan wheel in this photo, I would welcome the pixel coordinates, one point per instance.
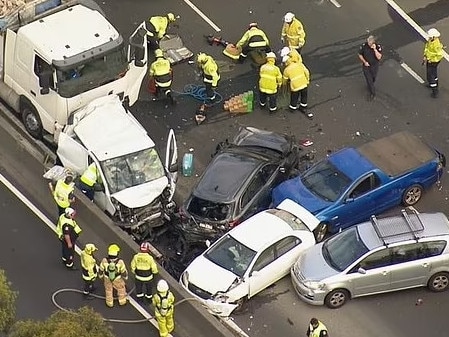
(412, 195)
(336, 298)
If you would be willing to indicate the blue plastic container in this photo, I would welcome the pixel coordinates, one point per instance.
(187, 165)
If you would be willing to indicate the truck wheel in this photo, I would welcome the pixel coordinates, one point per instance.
(439, 282)
(412, 195)
(31, 120)
(336, 298)
(321, 231)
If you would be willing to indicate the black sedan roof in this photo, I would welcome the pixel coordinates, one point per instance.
(225, 176)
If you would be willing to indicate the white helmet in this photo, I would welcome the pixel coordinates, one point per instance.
(433, 33)
(271, 55)
(285, 58)
(69, 211)
(285, 51)
(162, 286)
(289, 17)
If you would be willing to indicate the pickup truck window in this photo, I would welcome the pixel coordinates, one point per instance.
(325, 181)
(369, 183)
(92, 73)
(132, 169)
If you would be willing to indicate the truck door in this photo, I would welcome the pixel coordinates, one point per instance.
(171, 161)
(71, 153)
(138, 62)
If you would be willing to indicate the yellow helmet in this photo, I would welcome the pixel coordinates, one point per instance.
(201, 58)
(90, 248)
(171, 17)
(113, 250)
(158, 53)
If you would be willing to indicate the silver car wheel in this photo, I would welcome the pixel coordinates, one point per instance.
(412, 195)
(439, 282)
(336, 298)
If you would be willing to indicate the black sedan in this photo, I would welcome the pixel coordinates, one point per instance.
(238, 181)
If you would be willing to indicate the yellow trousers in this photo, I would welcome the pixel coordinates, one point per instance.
(165, 323)
(120, 286)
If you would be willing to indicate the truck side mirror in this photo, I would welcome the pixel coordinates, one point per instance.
(137, 47)
(44, 81)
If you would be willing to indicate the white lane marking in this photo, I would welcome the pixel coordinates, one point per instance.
(203, 16)
(335, 3)
(52, 226)
(412, 72)
(412, 23)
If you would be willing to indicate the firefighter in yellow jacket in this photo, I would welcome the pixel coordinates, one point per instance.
(89, 268)
(88, 180)
(433, 54)
(297, 76)
(293, 34)
(163, 302)
(289, 55)
(253, 39)
(144, 269)
(211, 74)
(63, 192)
(270, 79)
(113, 272)
(161, 73)
(157, 27)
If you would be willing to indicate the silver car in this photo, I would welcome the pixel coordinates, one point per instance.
(382, 255)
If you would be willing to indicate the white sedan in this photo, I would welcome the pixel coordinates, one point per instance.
(250, 257)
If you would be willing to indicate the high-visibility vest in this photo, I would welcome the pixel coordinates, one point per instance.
(143, 267)
(113, 268)
(254, 38)
(433, 50)
(298, 76)
(62, 192)
(64, 220)
(270, 78)
(317, 331)
(90, 175)
(160, 25)
(294, 33)
(210, 71)
(163, 303)
(88, 266)
(161, 70)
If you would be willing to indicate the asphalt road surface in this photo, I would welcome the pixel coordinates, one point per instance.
(30, 255)
(337, 96)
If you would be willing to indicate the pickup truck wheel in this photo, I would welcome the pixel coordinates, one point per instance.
(439, 282)
(336, 298)
(412, 195)
(31, 120)
(321, 231)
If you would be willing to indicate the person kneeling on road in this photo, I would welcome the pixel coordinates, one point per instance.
(163, 302)
(144, 268)
(161, 74)
(253, 39)
(89, 269)
(113, 272)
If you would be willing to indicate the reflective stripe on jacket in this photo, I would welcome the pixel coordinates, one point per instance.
(254, 37)
(88, 266)
(64, 220)
(298, 75)
(113, 269)
(270, 78)
(62, 192)
(143, 267)
(293, 56)
(210, 71)
(294, 33)
(89, 176)
(433, 50)
(160, 24)
(317, 331)
(163, 303)
(161, 71)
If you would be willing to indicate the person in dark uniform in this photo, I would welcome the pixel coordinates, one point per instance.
(370, 54)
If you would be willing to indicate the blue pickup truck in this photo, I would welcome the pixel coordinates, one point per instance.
(352, 184)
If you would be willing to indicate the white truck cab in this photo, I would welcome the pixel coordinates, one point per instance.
(58, 55)
(136, 188)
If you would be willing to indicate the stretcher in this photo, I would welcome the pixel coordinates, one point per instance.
(174, 49)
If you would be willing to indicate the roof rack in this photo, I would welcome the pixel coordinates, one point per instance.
(393, 227)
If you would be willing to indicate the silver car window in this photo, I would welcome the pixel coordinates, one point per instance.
(377, 259)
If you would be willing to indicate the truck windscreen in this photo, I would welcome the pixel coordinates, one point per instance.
(93, 73)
